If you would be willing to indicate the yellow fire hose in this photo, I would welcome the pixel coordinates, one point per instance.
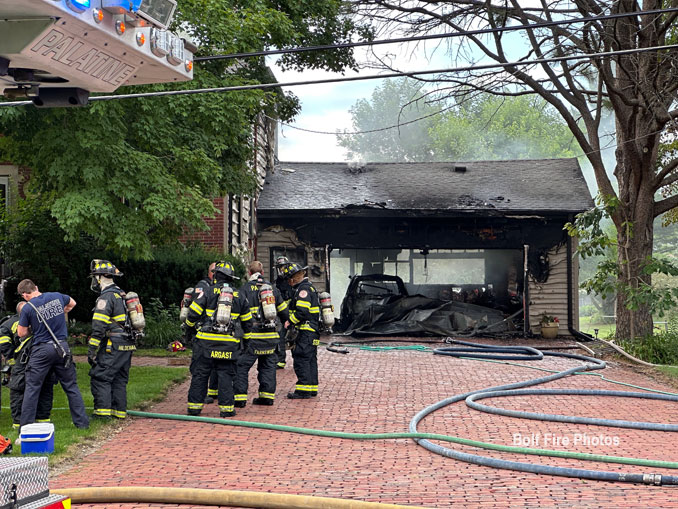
(195, 496)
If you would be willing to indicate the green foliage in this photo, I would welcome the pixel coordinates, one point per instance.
(607, 279)
(395, 102)
(488, 127)
(134, 173)
(34, 246)
(483, 127)
(659, 348)
(162, 324)
(169, 273)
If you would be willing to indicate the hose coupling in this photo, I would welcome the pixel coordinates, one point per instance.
(655, 479)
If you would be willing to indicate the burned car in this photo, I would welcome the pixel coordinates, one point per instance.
(379, 304)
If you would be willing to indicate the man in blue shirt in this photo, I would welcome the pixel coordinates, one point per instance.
(51, 310)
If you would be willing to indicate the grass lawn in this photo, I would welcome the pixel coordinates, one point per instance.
(141, 352)
(605, 330)
(146, 385)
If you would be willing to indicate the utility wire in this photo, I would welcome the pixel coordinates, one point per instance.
(265, 86)
(483, 31)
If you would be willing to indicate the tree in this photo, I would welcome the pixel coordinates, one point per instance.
(639, 87)
(398, 102)
(136, 172)
(482, 127)
(488, 127)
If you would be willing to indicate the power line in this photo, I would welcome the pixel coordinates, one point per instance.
(265, 86)
(465, 33)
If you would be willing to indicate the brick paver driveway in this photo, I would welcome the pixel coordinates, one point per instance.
(368, 391)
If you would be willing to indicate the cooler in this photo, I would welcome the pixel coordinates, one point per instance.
(37, 438)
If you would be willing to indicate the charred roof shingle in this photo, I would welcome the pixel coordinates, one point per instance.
(546, 185)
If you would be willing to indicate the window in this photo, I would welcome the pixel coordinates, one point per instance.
(4, 191)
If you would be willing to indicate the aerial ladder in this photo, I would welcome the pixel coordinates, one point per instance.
(57, 52)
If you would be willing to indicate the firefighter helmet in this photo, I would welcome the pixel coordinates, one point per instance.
(103, 268)
(281, 260)
(225, 270)
(291, 269)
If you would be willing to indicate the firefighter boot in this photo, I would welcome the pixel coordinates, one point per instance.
(262, 401)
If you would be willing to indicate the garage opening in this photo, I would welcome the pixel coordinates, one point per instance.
(485, 277)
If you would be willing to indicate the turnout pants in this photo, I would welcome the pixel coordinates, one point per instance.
(108, 382)
(45, 358)
(281, 354)
(305, 355)
(213, 385)
(266, 366)
(17, 386)
(201, 370)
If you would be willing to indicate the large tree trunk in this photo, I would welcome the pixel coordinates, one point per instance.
(633, 251)
(634, 219)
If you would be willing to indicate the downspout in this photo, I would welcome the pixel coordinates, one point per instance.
(526, 291)
(570, 299)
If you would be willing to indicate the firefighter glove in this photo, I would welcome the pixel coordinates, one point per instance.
(92, 356)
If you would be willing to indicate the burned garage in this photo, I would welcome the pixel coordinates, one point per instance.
(436, 248)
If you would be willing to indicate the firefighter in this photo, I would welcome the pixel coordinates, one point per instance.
(304, 323)
(287, 293)
(213, 314)
(16, 353)
(260, 345)
(199, 289)
(111, 344)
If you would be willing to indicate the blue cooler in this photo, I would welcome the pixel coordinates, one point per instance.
(37, 438)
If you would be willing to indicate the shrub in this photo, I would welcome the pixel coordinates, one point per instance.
(658, 349)
(162, 324)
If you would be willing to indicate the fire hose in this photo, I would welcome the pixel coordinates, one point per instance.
(472, 351)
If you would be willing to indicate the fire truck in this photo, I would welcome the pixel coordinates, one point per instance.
(56, 52)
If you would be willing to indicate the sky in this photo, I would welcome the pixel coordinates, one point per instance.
(326, 107)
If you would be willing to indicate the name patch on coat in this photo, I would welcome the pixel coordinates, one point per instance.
(216, 354)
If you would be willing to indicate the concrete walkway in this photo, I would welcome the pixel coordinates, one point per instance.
(368, 392)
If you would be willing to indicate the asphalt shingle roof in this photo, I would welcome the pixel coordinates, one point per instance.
(548, 185)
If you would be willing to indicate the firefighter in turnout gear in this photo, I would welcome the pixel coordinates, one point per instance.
(260, 344)
(304, 323)
(213, 315)
(283, 286)
(200, 288)
(16, 352)
(111, 344)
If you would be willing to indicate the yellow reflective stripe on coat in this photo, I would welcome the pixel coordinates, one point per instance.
(314, 310)
(303, 304)
(15, 327)
(23, 343)
(93, 342)
(245, 317)
(209, 312)
(293, 318)
(5, 339)
(264, 335)
(190, 324)
(216, 337)
(196, 307)
(101, 317)
(119, 318)
(282, 307)
(307, 327)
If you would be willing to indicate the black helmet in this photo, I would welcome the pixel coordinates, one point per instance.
(291, 269)
(103, 268)
(225, 270)
(281, 260)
